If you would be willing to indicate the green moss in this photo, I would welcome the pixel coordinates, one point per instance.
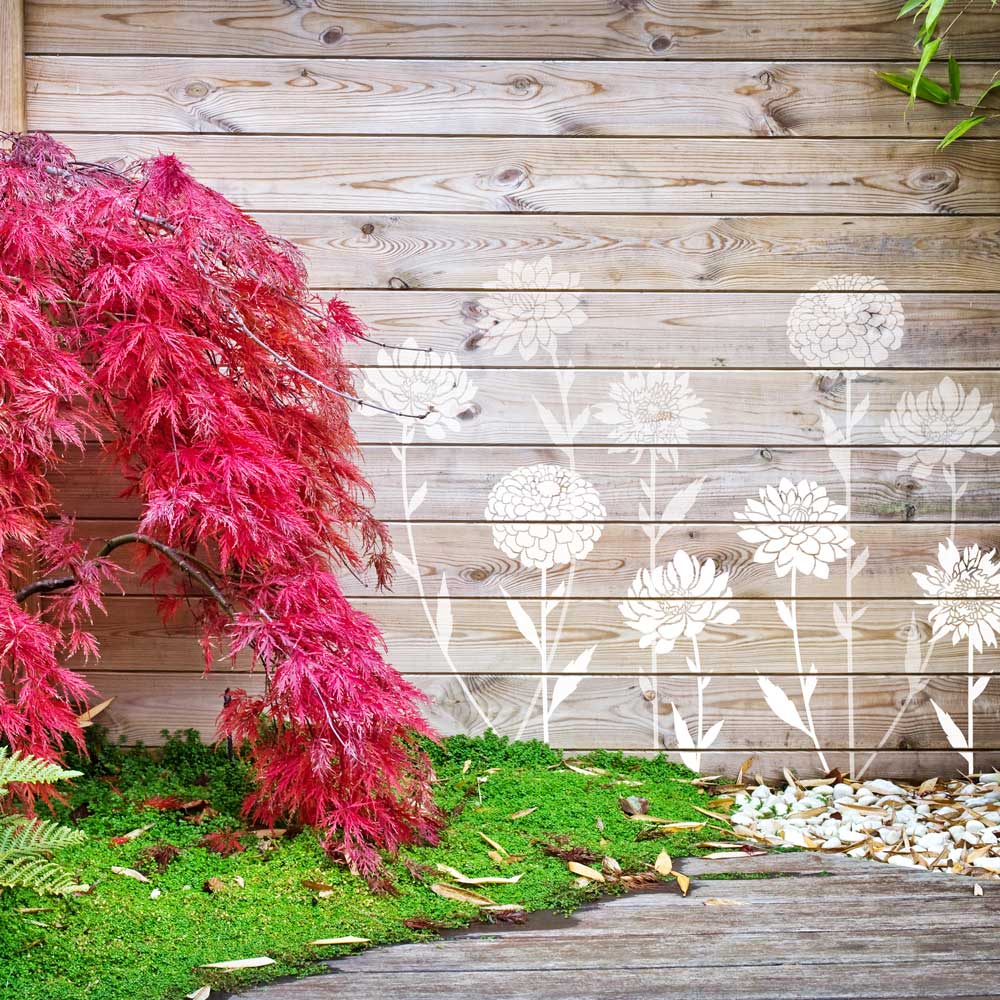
(117, 943)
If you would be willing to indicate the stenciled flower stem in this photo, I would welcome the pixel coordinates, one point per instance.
(803, 676)
(654, 678)
(849, 563)
(701, 695)
(543, 655)
(971, 697)
(407, 439)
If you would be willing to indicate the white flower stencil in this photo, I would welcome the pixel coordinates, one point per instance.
(653, 408)
(966, 591)
(794, 528)
(678, 600)
(417, 381)
(857, 328)
(533, 509)
(531, 308)
(934, 427)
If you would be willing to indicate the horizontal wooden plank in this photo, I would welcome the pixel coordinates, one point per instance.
(475, 567)
(678, 329)
(476, 97)
(417, 174)
(637, 253)
(460, 479)
(860, 29)
(485, 639)
(609, 710)
(757, 408)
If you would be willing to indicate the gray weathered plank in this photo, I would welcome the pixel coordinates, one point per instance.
(611, 711)
(578, 29)
(678, 329)
(486, 640)
(636, 253)
(418, 174)
(461, 477)
(476, 97)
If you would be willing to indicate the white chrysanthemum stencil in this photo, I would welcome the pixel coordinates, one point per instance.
(680, 599)
(934, 427)
(653, 409)
(794, 528)
(965, 589)
(532, 509)
(530, 309)
(415, 382)
(858, 327)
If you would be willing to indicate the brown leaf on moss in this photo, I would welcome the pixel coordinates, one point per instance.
(420, 873)
(222, 842)
(505, 915)
(422, 923)
(159, 855)
(560, 847)
(633, 805)
(213, 885)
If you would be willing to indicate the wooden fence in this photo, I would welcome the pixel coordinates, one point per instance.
(672, 257)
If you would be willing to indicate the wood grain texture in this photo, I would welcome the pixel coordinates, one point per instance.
(485, 639)
(678, 329)
(578, 29)
(476, 97)
(460, 478)
(12, 85)
(846, 915)
(476, 568)
(637, 253)
(752, 408)
(417, 174)
(609, 711)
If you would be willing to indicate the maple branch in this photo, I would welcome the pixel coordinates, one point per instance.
(182, 560)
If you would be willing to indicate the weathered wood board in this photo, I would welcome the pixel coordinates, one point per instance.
(669, 258)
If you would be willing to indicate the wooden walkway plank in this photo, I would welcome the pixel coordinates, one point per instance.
(827, 927)
(577, 29)
(477, 97)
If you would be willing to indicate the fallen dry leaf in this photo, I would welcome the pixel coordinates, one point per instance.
(585, 871)
(663, 863)
(683, 882)
(317, 886)
(977, 890)
(459, 895)
(240, 963)
(492, 843)
(716, 901)
(633, 805)
(323, 942)
(202, 993)
(728, 855)
(213, 885)
(87, 718)
(486, 880)
(708, 812)
(521, 813)
(129, 873)
(466, 766)
(239, 881)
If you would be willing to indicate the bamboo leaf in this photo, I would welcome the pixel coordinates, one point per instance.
(954, 78)
(966, 125)
(926, 55)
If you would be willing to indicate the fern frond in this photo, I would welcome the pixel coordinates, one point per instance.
(23, 769)
(36, 874)
(20, 837)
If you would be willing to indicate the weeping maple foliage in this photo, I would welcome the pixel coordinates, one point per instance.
(144, 308)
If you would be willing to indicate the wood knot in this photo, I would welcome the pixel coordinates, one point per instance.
(479, 574)
(765, 77)
(332, 35)
(934, 180)
(511, 177)
(397, 283)
(470, 412)
(523, 84)
(368, 228)
(197, 88)
(661, 43)
(766, 454)
(472, 309)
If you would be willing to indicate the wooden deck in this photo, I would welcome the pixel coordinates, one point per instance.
(860, 930)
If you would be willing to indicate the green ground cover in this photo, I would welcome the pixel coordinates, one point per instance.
(127, 938)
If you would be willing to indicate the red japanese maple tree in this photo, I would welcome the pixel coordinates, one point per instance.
(144, 308)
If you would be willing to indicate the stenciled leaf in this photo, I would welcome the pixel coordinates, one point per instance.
(782, 706)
